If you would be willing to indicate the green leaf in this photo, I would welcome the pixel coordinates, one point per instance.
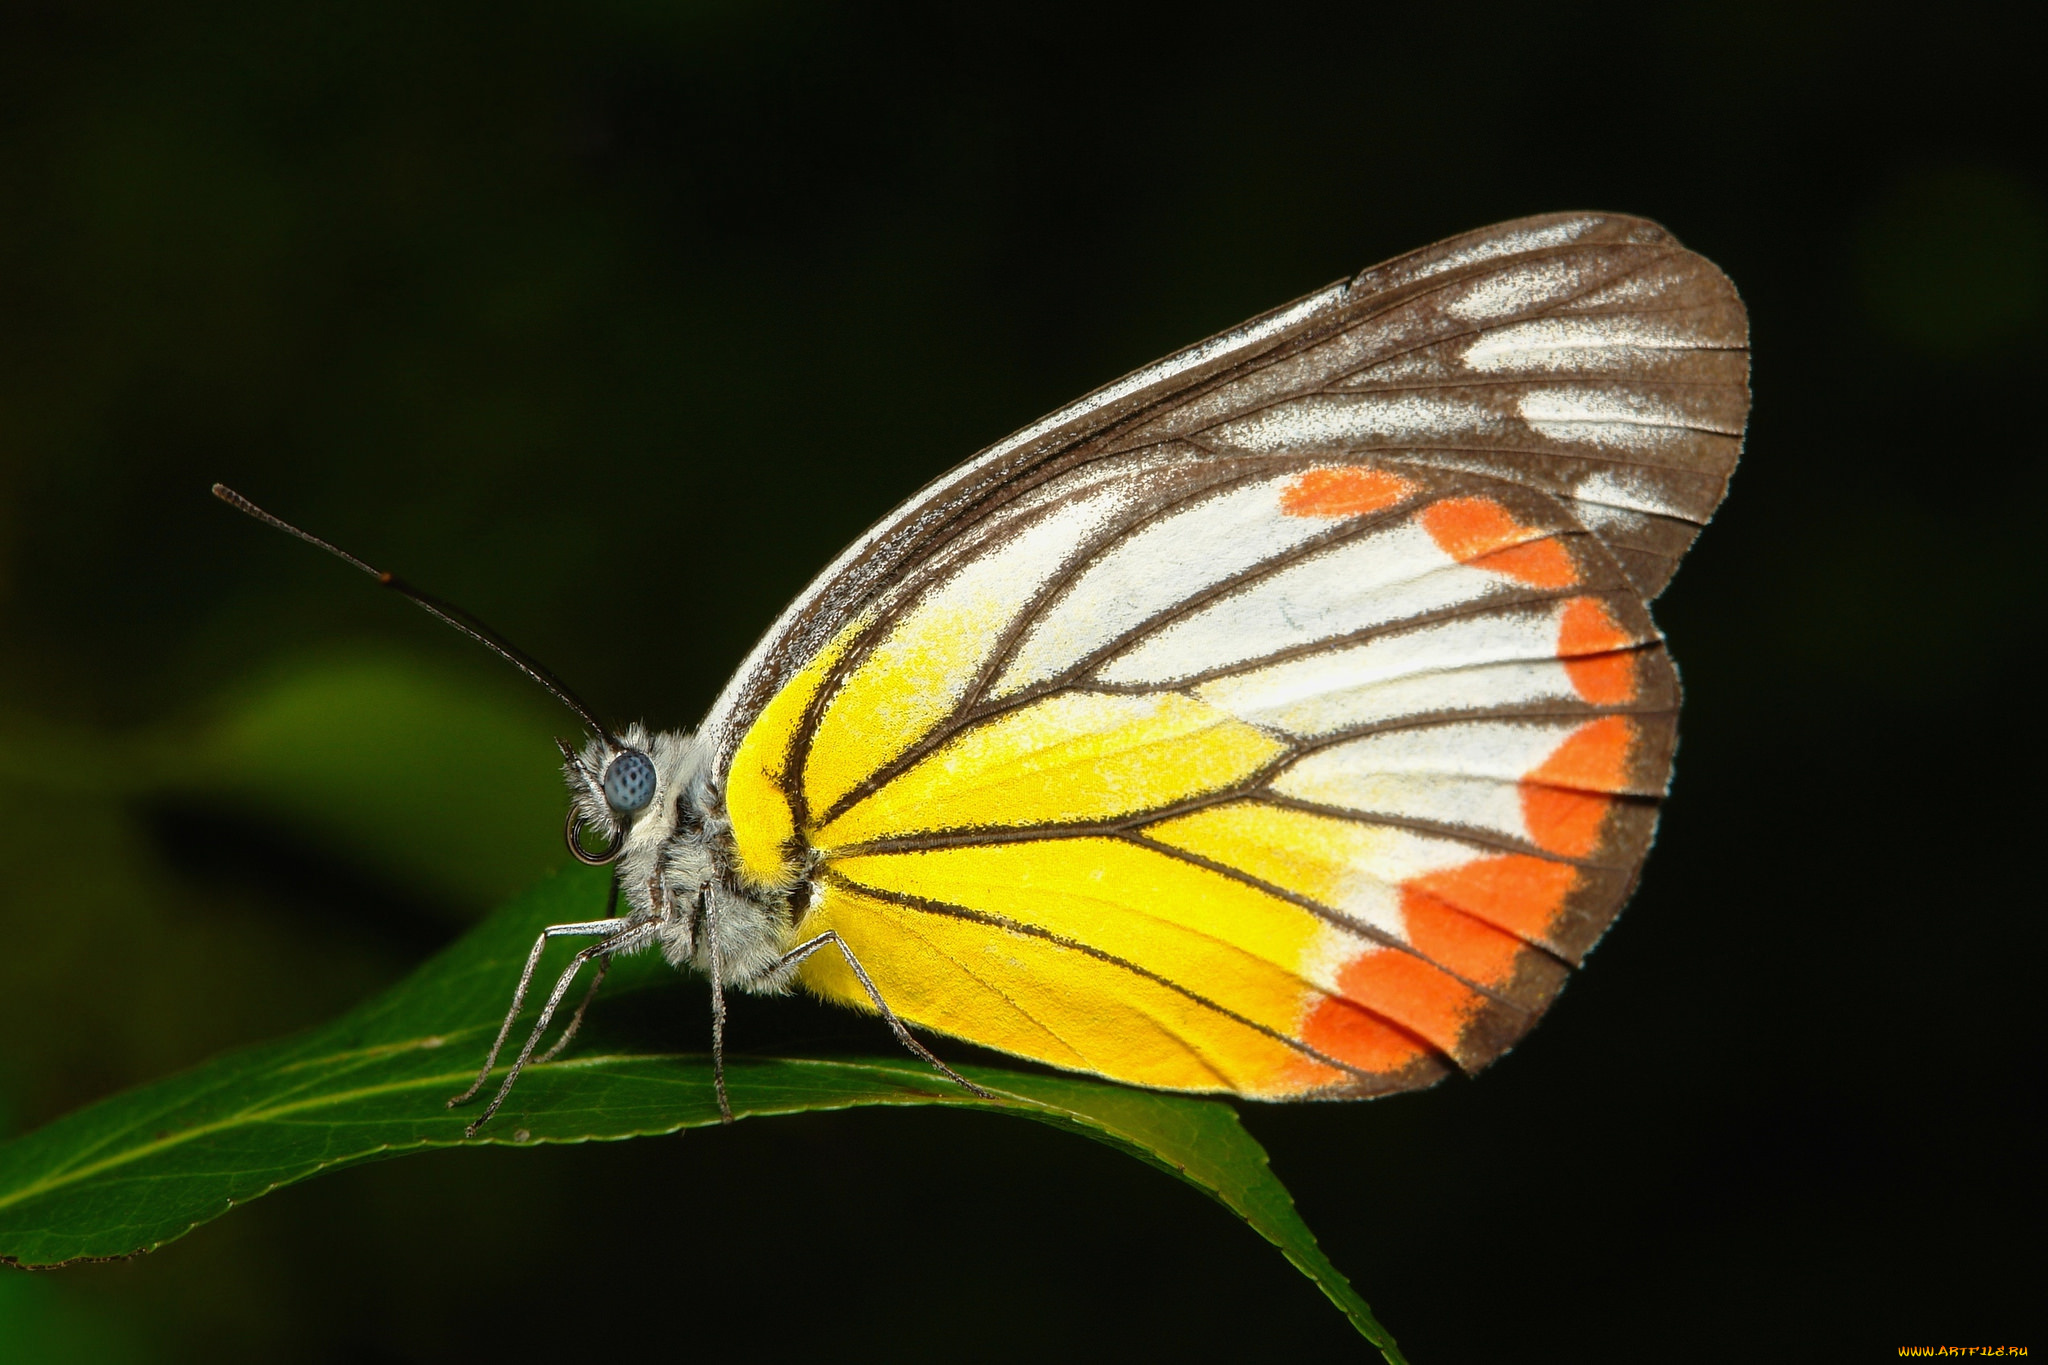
(131, 1173)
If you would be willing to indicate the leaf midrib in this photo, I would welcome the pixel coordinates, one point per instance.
(250, 1117)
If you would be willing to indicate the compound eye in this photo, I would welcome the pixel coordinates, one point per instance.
(629, 782)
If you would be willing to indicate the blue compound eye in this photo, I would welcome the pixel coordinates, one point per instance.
(629, 782)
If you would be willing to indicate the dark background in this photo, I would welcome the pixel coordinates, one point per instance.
(615, 321)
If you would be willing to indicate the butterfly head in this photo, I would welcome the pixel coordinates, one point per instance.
(632, 790)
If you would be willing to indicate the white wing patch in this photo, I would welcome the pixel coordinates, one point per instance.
(1561, 345)
(1164, 564)
(1610, 488)
(1497, 750)
(1379, 578)
(1605, 417)
(1497, 661)
(1333, 420)
(1518, 289)
(1428, 774)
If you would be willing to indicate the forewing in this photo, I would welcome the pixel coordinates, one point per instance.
(1586, 355)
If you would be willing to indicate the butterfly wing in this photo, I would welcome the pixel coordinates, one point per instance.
(1286, 718)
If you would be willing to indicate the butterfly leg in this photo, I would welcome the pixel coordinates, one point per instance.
(635, 934)
(707, 909)
(604, 964)
(831, 937)
(585, 930)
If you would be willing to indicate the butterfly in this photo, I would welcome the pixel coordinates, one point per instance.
(1285, 719)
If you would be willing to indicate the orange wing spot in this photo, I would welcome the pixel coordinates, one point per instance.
(1482, 533)
(1561, 803)
(1587, 636)
(1346, 492)
(1521, 894)
(1412, 993)
(1337, 1028)
(1470, 947)
(1540, 564)
(1562, 821)
(1588, 627)
(1593, 758)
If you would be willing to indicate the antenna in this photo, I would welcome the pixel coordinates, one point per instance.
(447, 611)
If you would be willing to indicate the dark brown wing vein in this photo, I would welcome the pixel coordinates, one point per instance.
(961, 912)
(1463, 834)
(1482, 606)
(991, 987)
(1333, 916)
(1409, 455)
(1252, 784)
(1304, 747)
(1596, 380)
(982, 836)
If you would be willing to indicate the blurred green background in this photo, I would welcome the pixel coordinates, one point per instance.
(614, 322)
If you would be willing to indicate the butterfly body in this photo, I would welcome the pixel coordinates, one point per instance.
(1284, 719)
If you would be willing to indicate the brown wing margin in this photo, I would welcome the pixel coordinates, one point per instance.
(1626, 268)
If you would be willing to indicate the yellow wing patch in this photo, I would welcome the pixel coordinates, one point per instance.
(758, 781)
(1183, 922)
(1322, 858)
(1072, 757)
(1036, 997)
(910, 683)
